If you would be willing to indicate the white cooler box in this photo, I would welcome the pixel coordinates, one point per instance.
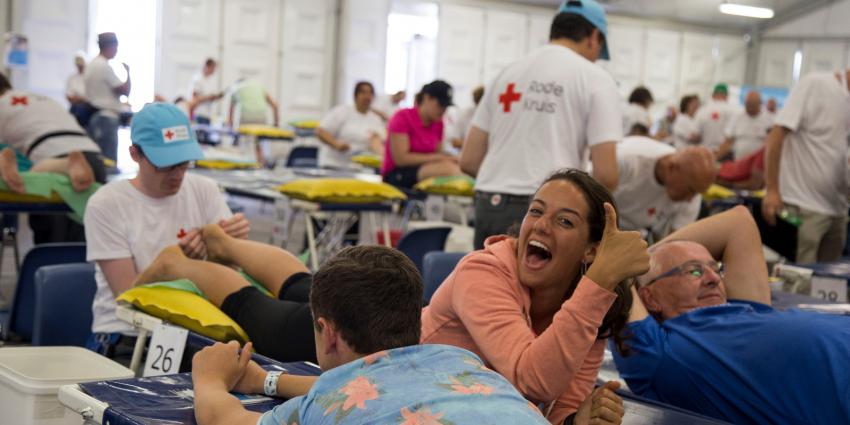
(30, 377)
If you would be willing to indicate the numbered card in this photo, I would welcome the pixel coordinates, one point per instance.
(829, 288)
(165, 351)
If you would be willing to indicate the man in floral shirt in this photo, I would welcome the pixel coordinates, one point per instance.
(366, 305)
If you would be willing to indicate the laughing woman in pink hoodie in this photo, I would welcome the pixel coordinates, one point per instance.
(538, 308)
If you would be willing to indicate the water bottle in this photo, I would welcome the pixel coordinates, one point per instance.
(790, 218)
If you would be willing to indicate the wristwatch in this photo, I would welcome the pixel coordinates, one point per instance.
(270, 384)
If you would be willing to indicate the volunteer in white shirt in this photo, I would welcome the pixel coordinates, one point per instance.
(770, 109)
(746, 130)
(386, 105)
(714, 116)
(128, 222)
(204, 92)
(542, 113)
(659, 188)
(456, 130)
(347, 130)
(685, 128)
(104, 90)
(75, 87)
(41, 130)
(806, 164)
(637, 111)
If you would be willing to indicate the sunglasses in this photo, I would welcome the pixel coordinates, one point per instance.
(692, 270)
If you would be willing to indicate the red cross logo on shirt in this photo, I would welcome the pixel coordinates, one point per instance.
(169, 134)
(509, 97)
(715, 116)
(22, 100)
(651, 211)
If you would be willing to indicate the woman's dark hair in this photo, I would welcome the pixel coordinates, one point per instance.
(686, 100)
(361, 84)
(417, 100)
(596, 195)
(642, 96)
(5, 85)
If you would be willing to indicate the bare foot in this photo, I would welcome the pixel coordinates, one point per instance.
(160, 268)
(216, 241)
(9, 171)
(80, 172)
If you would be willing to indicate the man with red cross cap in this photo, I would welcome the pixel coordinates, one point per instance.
(542, 113)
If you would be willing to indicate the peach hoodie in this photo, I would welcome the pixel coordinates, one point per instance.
(482, 307)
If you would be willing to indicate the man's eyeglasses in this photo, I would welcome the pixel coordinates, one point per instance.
(181, 166)
(691, 270)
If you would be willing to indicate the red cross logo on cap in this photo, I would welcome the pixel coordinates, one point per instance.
(169, 134)
(715, 116)
(509, 97)
(19, 100)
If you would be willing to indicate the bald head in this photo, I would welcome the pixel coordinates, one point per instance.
(689, 172)
(771, 105)
(752, 103)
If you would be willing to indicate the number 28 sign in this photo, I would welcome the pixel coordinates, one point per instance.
(165, 350)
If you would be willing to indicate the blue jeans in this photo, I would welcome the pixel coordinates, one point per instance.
(103, 129)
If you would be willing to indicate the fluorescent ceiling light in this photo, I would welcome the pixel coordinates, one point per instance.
(748, 11)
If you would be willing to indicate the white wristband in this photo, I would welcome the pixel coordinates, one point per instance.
(270, 384)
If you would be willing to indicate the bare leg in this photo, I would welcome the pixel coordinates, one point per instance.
(9, 171)
(268, 264)
(74, 166)
(216, 281)
(438, 169)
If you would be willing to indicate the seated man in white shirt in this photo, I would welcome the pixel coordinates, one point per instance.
(747, 130)
(659, 187)
(350, 129)
(128, 222)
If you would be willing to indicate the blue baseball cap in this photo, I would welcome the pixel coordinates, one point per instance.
(165, 135)
(594, 13)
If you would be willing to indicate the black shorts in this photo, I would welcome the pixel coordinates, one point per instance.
(405, 177)
(279, 328)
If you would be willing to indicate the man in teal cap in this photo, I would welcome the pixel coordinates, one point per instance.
(545, 112)
(713, 117)
(128, 222)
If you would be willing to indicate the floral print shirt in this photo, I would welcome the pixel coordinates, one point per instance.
(415, 385)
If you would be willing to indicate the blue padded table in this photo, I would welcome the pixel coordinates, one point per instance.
(156, 400)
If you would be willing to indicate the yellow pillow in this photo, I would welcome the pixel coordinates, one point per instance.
(308, 124)
(716, 192)
(187, 310)
(348, 191)
(265, 131)
(450, 185)
(8, 196)
(371, 161)
(219, 164)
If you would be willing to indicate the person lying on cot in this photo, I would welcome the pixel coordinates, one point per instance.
(366, 304)
(264, 318)
(538, 308)
(705, 338)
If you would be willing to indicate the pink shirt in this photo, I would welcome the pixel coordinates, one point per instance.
(422, 139)
(483, 308)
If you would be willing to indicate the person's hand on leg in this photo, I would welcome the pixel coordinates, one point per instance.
(192, 244)
(236, 226)
(603, 406)
(220, 365)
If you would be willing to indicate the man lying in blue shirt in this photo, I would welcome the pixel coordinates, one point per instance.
(366, 305)
(706, 339)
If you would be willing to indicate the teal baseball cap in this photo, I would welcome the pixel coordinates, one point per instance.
(594, 13)
(165, 135)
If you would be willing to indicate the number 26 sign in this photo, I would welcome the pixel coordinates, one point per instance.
(165, 350)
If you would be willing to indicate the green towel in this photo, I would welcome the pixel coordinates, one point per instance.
(44, 184)
(189, 286)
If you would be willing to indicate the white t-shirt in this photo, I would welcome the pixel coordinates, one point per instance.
(712, 119)
(25, 117)
(76, 86)
(122, 222)
(203, 86)
(748, 131)
(642, 202)
(814, 156)
(635, 114)
(348, 125)
(101, 82)
(383, 103)
(683, 128)
(542, 113)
